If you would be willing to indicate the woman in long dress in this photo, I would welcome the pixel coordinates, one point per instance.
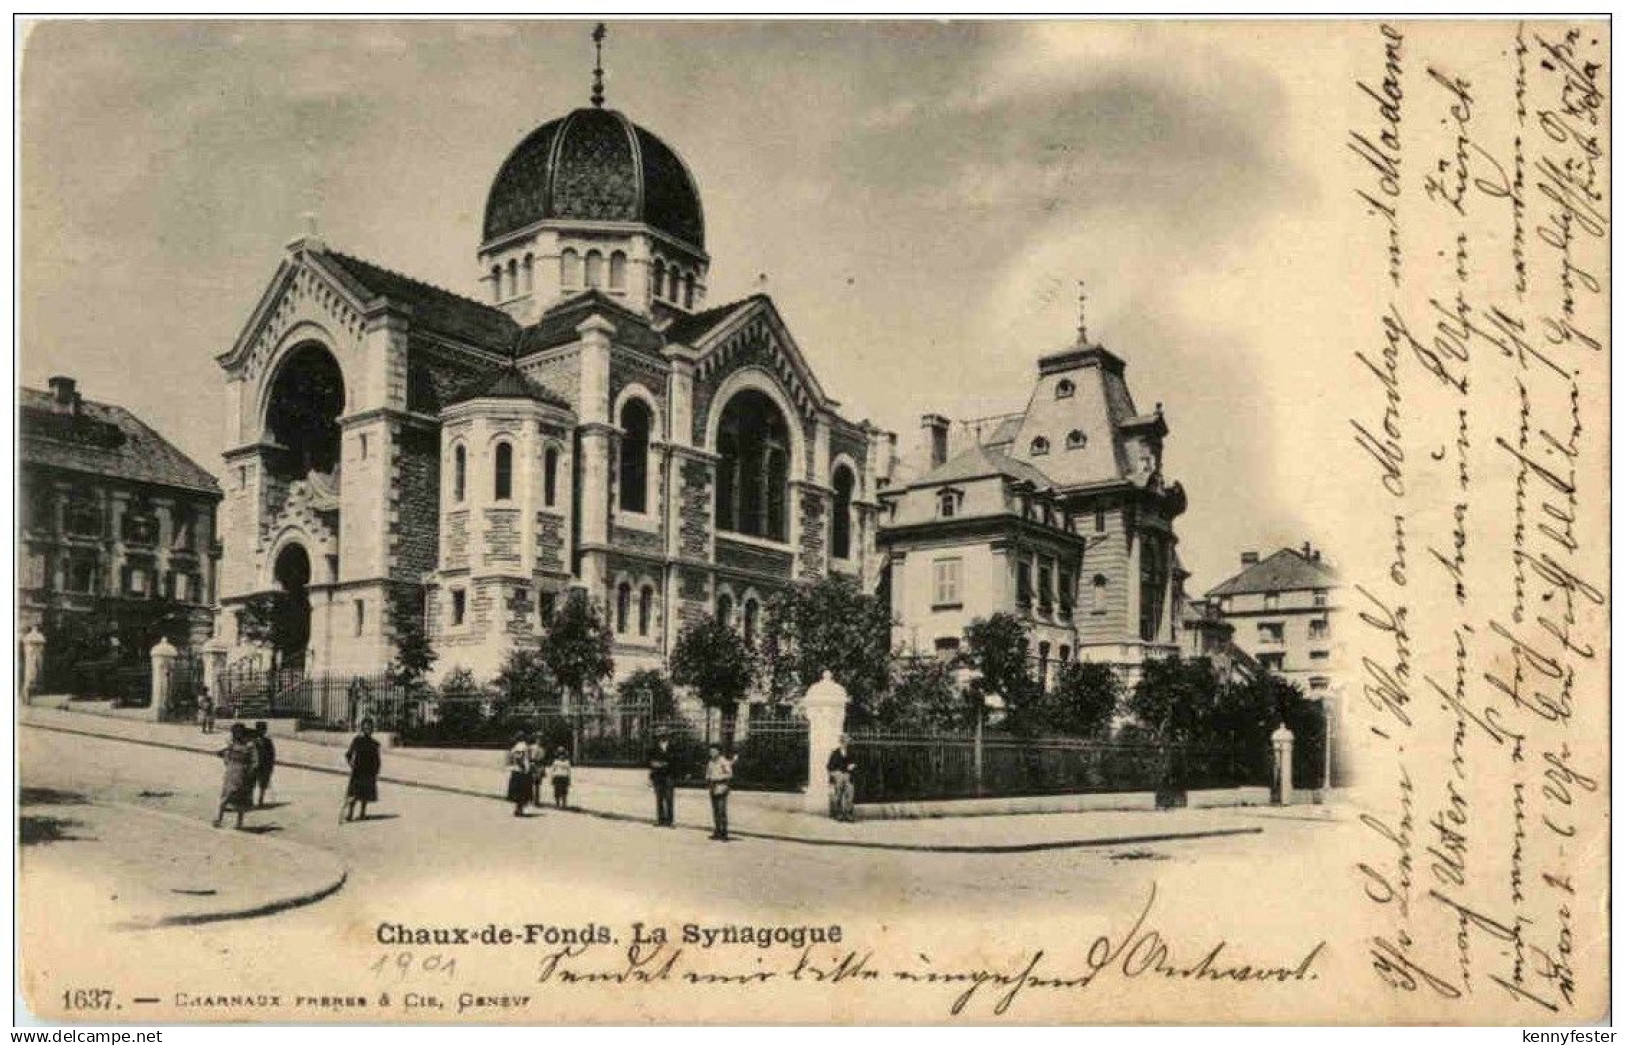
(365, 761)
(241, 757)
(520, 788)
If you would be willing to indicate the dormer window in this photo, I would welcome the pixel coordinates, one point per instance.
(1075, 439)
(1064, 389)
(1040, 447)
(948, 503)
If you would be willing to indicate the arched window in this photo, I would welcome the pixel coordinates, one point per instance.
(752, 611)
(496, 282)
(636, 421)
(1040, 446)
(595, 269)
(550, 476)
(617, 271)
(1098, 603)
(646, 602)
(660, 277)
(725, 609)
(673, 277)
(1064, 389)
(753, 472)
(513, 277)
(1043, 665)
(688, 290)
(1075, 439)
(947, 503)
(502, 472)
(1064, 655)
(623, 606)
(529, 272)
(570, 268)
(459, 474)
(841, 525)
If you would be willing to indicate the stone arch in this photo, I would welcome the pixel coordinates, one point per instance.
(758, 458)
(302, 398)
(755, 377)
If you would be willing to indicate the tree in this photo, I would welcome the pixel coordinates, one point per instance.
(649, 688)
(1175, 698)
(525, 678)
(718, 663)
(273, 619)
(1081, 702)
(414, 656)
(996, 649)
(828, 625)
(577, 646)
(925, 695)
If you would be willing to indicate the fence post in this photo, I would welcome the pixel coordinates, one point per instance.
(825, 707)
(33, 662)
(1281, 740)
(163, 671)
(214, 664)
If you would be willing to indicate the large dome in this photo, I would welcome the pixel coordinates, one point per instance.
(595, 165)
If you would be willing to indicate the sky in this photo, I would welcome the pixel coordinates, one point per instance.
(920, 198)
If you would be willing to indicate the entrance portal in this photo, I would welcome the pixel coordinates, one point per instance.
(291, 635)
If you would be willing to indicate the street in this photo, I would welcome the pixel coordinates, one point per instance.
(423, 855)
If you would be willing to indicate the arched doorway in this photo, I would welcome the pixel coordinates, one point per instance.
(302, 413)
(291, 631)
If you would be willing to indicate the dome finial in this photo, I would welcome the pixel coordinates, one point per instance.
(1083, 325)
(598, 34)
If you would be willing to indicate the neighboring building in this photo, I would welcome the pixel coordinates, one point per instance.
(1284, 610)
(112, 515)
(1059, 514)
(399, 451)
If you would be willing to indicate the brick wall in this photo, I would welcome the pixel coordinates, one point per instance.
(814, 520)
(550, 549)
(414, 519)
(743, 556)
(501, 537)
(694, 510)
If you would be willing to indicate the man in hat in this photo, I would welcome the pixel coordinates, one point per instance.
(663, 776)
(841, 766)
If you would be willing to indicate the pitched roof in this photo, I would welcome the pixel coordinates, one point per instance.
(689, 329)
(103, 439)
(1286, 570)
(507, 382)
(979, 462)
(432, 306)
(557, 326)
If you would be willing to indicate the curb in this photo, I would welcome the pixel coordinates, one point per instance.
(254, 910)
(906, 847)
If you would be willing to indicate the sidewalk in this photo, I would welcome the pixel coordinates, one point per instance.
(138, 868)
(623, 794)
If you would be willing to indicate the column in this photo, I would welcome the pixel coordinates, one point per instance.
(163, 667)
(1281, 741)
(33, 663)
(596, 435)
(825, 707)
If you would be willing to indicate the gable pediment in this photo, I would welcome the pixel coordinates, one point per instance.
(301, 293)
(756, 336)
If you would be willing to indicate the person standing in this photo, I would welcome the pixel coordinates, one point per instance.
(663, 776)
(205, 711)
(719, 775)
(536, 756)
(237, 789)
(267, 759)
(842, 793)
(519, 780)
(559, 770)
(366, 760)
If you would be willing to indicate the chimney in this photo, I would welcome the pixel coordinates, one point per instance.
(1307, 550)
(64, 392)
(1249, 558)
(939, 438)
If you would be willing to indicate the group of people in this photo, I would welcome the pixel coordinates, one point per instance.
(529, 764)
(719, 775)
(250, 758)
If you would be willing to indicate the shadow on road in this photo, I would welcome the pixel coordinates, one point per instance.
(49, 796)
(42, 830)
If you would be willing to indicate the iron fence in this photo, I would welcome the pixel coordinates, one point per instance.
(916, 766)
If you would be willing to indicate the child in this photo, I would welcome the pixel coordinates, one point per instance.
(719, 775)
(205, 712)
(560, 772)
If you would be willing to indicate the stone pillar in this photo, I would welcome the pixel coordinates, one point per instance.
(1281, 741)
(163, 670)
(215, 652)
(825, 707)
(33, 663)
(597, 433)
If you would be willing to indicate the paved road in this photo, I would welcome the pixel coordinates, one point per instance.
(425, 854)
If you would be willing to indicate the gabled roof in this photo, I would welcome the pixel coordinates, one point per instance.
(432, 307)
(507, 383)
(980, 462)
(689, 329)
(103, 439)
(557, 326)
(1286, 570)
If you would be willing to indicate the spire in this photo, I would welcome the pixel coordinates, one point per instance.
(598, 34)
(1083, 324)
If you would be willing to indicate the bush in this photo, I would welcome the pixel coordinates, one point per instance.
(650, 689)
